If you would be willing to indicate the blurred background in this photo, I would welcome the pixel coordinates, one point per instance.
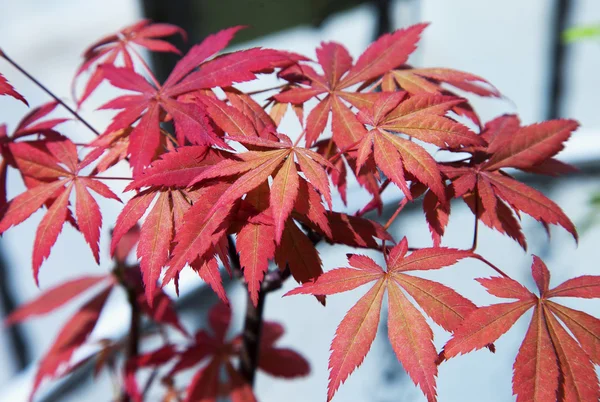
(516, 45)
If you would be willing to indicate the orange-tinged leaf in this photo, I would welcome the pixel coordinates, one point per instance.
(484, 326)
(412, 341)
(256, 246)
(336, 281)
(316, 121)
(389, 160)
(283, 195)
(506, 288)
(419, 163)
(533, 144)
(429, 258)
(154, 244)
(315, 174)
(536, 370)
(194, 239)
(228, 118)
(354, 337)
(443, 304)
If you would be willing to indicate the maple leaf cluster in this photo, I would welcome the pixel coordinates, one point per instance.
(226, 190)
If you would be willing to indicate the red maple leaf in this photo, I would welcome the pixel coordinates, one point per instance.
(7, 89)
(214, 353)
(75, 332)
(167, 178)
(410, 335)
(190, 118)
(52, 170)
(550, 362)
(421, 117)
(107, 50)
(491, 193)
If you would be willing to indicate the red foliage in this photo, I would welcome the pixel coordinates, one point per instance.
(228, 188)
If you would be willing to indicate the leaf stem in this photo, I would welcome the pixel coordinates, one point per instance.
(476, 228)
(50, 93)
(259, 91)
(495, 268)
(107, 178)
(145, 66)
(395, 215)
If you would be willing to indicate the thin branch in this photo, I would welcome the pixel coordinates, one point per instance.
(133, 340)
(145, 66)
(476, 228)
(396, 213)
(50, 93)
(495, 268)
(250, 350)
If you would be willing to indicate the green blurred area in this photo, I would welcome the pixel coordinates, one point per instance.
(581, 33)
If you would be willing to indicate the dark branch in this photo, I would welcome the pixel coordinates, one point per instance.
(50, 93)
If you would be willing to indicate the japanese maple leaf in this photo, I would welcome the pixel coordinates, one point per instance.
(190, 118)
(9, 90)
(410, 335)
(429, 80)
(551, 363)
(54, 167)
(254, 168)
(33, 124)
(75, 332)
(491, 193)
(167, 178)
(107, 50)
(277, 159)
(217, 353)
(419, 80)
(421, 117)
(339, 73)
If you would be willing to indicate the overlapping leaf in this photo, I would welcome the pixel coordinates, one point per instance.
(420, 117)
(214, 353)
(51, 168)
(190, 118)
(491, 193)
(107, 50)
(410, 335)
(550, 362)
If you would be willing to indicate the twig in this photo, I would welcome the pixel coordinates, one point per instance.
(250, 350)
(43, 88)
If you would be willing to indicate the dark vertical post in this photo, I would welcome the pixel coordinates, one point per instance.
(181, 13)
(384, 18)
(557, 68)
(18, 346)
